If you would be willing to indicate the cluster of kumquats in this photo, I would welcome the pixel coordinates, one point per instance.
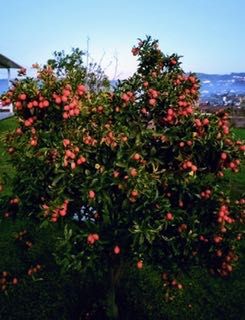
(168, 281)
(23, 238)
(71, 156)
(71, 102)
(7, 279)
(55, 213)
(12, 207)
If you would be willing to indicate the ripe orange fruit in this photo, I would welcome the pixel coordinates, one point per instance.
(96, 236)
(90, 239)
(134, 193)
(117, 250)
(136, 156)
(133, 172)
(91, 194)
(205, 122)
(169, 216)
(140, 264)
(223, 156)
(22, 96)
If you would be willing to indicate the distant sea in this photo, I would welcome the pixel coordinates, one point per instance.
(226, 84)
(211, 84)
(3, 85)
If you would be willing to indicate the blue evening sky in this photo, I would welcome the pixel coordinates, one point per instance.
(210, 34)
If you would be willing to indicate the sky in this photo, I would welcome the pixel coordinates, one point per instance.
(209, 34)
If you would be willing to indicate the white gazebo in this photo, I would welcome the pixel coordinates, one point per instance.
(8, 64)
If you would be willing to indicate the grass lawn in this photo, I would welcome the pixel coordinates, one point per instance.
(8, 124)
(56, 296)
(6, 170)
(240, 133)
(236, 182)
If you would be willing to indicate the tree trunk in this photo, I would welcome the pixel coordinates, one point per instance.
(111, 305)
(112, 309)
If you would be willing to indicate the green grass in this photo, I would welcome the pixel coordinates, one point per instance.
(8, 124)
(236, 182)
(6, 170)
(240, 133)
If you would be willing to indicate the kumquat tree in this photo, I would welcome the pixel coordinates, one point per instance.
(133, 173)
